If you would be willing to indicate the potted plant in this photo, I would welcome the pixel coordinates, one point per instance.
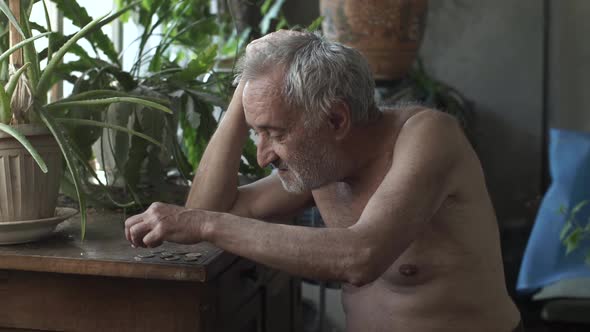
(27, 117)
(181, 70)
(387, 32)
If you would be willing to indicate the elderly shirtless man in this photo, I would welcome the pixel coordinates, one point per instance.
(411, 234)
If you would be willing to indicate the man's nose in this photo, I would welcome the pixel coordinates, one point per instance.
(264, 153)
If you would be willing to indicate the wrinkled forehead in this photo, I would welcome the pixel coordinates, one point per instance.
(264, 105)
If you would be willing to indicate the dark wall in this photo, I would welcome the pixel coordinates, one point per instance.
(492, 51)
(569, 65)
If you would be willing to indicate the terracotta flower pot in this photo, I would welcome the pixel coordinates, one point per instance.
(26, 193)
(387, 32)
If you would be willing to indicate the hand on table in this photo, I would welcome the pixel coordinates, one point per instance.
(165, 222)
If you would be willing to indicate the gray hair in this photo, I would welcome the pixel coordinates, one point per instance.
(317, 74)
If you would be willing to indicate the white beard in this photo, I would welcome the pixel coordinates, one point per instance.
(308, 171)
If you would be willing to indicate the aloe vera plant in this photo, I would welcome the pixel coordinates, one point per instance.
(179, 69)
(178, 72)
(31, 106)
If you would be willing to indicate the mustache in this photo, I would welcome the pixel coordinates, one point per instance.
(278, 164)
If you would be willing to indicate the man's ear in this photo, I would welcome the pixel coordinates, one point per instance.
(340, 119)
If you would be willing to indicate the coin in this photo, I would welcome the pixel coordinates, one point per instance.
(146, 255)
(194, 254)
(166, 254)
(137, 258)
(191, 258)
(172, 258)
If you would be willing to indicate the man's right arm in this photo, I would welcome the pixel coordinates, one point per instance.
(215, 185)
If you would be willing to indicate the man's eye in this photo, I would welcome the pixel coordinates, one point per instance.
(277, 137)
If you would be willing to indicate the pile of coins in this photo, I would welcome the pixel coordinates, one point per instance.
(170, 256)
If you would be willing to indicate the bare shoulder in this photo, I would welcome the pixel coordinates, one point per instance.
(434, 120)
(413, 117)
(430, 145)
(428, 130)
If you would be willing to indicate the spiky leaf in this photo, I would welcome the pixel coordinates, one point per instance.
(13, 81)
(106, 101)
(573, 240)
(14, 48)
(5, 111)
(80, 18)
(27, 145)
(6, 10)
(66, 148)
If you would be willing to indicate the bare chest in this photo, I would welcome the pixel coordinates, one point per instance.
(339, 205)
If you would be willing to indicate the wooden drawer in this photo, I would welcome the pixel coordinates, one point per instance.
(249, 318)
(61, 302)
(237, 285)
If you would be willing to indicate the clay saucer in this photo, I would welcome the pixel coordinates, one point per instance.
(13, 232)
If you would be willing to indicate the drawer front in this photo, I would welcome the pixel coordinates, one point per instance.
(237, 285)
(60, 302)
(249, 318)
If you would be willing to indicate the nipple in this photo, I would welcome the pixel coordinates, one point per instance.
(408, 270)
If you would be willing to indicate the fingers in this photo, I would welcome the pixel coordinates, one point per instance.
(130, 222)
(138, 231)
(154, 238)
(152, 227)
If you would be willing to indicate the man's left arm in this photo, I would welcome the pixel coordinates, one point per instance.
(426, 154)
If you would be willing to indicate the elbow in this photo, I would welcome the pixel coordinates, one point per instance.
(363, 267)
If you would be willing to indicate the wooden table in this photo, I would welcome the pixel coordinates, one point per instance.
(102, 284)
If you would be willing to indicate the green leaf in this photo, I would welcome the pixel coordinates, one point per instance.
(69, 156)
(13, 81)
(13, 49)
(316, 24)
(282, 23)
(573, 240)
(85, 122)
(265, 6)
(48, 22)
(578, 207)
(566, 228)
(56, 41)
(184, 167)
(5, 111)
(79, 17)
(137, 154)
(106, 101)
(44, 80)
(95, 94)
(6, 10)
(200, 65)
(172, 36)
(272, 14)
(208, 97)
(25, 142)
(125, 17)
(151, 124)
(232, 47)
(30, 55)
(42, 85)
(85, 64)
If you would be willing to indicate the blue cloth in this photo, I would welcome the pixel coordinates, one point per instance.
(544, 260)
